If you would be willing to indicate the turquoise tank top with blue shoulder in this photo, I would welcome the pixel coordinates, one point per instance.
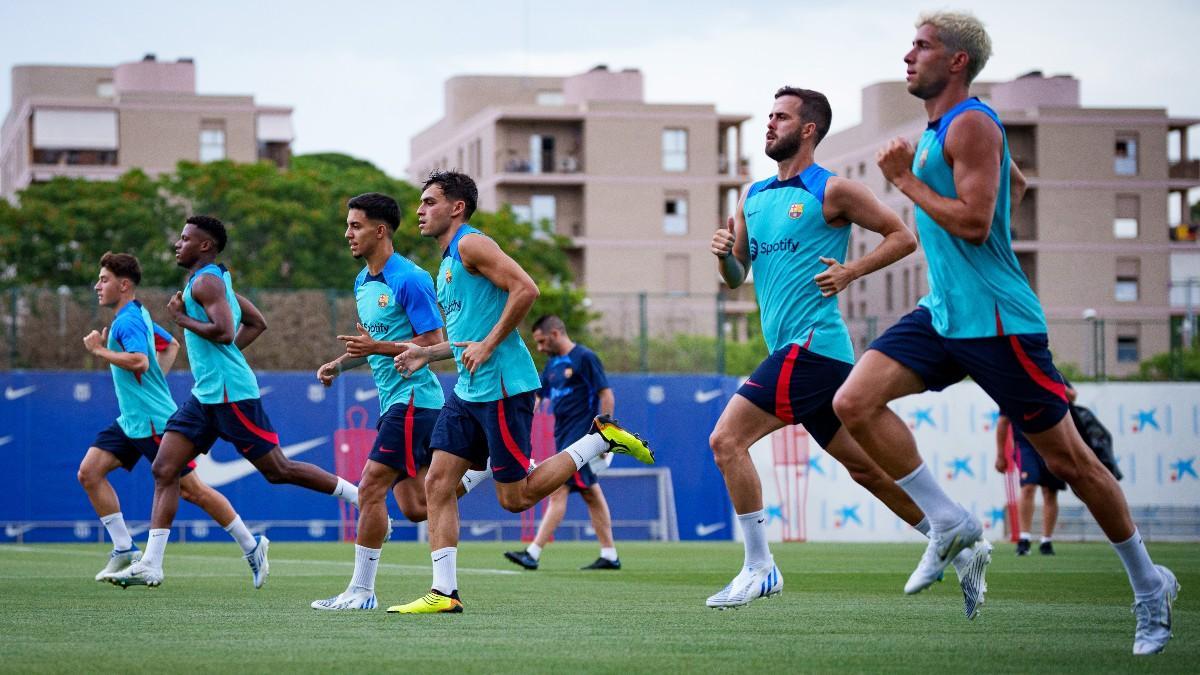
(221, 372)
(144, 400)
(974, 291)
(396, 305)
(472, 305)
(788, 236)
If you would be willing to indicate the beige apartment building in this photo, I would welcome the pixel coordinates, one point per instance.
(99, 122)
(1093, 233)
(638, 188)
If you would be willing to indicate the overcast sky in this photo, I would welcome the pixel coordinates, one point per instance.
(364, 77)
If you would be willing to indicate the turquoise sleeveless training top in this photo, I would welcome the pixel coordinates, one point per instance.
(974, 291)
(221, 372)
(472, 306)
(788, 236)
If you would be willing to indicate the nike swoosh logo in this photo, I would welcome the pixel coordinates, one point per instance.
(480, 530)
(943, 550)
(372, 559)
(14, 394)
(752, 213)
(217, 473)
(441, 558)
(383, 449)
(361, 395)
(703, 530)
(263, 391)
(1029, 416)
(761, 521)
(5, 440)
(752, 383)
(706, 396)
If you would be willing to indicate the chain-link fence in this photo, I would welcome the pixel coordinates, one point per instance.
(632, 332)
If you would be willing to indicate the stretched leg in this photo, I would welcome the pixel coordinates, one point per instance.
(598, 511)
(868, 474)
(93, 476)
(556, 508)
(215, 504)
(277, 468)
(1025, 507)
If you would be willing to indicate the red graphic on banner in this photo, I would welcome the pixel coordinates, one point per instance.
(1012, 487)
(789, 448)
(351, 447)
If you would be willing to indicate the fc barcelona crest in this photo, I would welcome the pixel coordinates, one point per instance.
(796, 211)
(567, 373)
(924, 156)
(449, 276)
(383, 300)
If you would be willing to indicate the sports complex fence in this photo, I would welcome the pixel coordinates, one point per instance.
(42, 328)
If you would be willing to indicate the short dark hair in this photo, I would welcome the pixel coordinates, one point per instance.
(455, 185)
(815, 108)
(213, 228)
(549, 322)
(122, 265)
(378, 207)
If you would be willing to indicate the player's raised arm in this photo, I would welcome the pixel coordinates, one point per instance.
(135, 362)
(974, 147)
(483, 256)
(851, 202)
(730, 247)
(253, 323)
(209, 291)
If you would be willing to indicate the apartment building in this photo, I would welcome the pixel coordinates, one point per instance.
(99, 122)
(637, 187)
(1093, 234)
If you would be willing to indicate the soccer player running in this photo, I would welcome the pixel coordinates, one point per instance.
(574, 383)
(980, 319)
(792, 231)
(218, 324)
(396, 303)
(484, 294)
(140, 354)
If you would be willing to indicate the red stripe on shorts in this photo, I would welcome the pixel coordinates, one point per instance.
(254, 428)
(409, 462)
(509, 443)
(783, 388)
(1044, 381)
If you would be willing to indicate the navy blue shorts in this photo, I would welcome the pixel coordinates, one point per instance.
(498, 430)
(1015, 370)
(243, 423)
(582, 479)
(403, 439)
(129, 450)
(797, 386)
(1033, 467)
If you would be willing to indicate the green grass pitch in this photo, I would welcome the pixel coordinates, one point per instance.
(842, 610)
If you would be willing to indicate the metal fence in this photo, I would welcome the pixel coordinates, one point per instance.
(633, 332)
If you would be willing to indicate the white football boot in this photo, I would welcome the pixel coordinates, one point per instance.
(749, 585)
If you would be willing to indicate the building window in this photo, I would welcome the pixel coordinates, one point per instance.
(541, 154)
(1125, 225)
(907, 288)
(1125, 159)
(888, 294)
(212, 141)
(543, 214)
(104, 89)
(675, 220)
(1128, 272)
(674, 149)
(550, 97)
(862, 169)
(1128, 339)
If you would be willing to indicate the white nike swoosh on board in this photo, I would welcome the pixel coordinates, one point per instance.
(706, 396)
(361, 395)
(14, 394)
(703, 530)
(217, 473)
(263, 391)
(480, 530)
(5, 440)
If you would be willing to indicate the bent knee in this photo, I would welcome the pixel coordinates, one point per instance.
(515, 504)
(849, 404)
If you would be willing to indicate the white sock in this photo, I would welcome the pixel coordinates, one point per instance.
(754, 531)
(1143, 576)
(586, 449)
(1046, 539)
(943, 512)
(241, 534)
(922, 527)
(1026, 536)
(366, 563)
(472, 478)
(445, 570)
(115, 524)
(534, 551)
(346, 491)
(609, 553)
(156, 546)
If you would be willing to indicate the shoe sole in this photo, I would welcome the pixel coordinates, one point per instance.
(768, 596)
(981, 566)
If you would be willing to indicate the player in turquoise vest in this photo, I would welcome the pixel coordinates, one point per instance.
(218, 324)
(484, 295)
(792, 230)
(980, 319)
(139, 353)
(396, 304)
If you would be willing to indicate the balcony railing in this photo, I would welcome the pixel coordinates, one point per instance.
(1185, 233)
(1188, 169)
